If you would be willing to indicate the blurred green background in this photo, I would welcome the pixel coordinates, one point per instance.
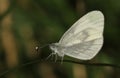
(25, 24)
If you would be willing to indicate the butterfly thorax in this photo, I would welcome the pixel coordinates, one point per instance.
(57, 49)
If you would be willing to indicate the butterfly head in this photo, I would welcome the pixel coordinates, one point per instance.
(53, 47)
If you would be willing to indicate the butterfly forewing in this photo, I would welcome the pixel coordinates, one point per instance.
(85, 38)
(86, 27)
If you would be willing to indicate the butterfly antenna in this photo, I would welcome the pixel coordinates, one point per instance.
(37, 48)
(45, 45)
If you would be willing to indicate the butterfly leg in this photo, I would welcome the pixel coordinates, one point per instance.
(52, 56)
(62, 58)
(49, 56)
(55, 57)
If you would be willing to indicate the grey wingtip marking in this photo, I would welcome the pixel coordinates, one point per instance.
(97, 12)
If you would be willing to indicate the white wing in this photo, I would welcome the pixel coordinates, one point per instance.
(86, 35)
(84, 50)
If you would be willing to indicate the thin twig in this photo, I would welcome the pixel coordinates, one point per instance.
(68, 61)
(92, 64)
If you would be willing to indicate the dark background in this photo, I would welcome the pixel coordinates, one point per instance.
(25, 24)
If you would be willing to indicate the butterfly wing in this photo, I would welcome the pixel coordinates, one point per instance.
(84, 50)
(87, 32)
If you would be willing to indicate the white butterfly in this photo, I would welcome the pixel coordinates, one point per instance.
(84, 39)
